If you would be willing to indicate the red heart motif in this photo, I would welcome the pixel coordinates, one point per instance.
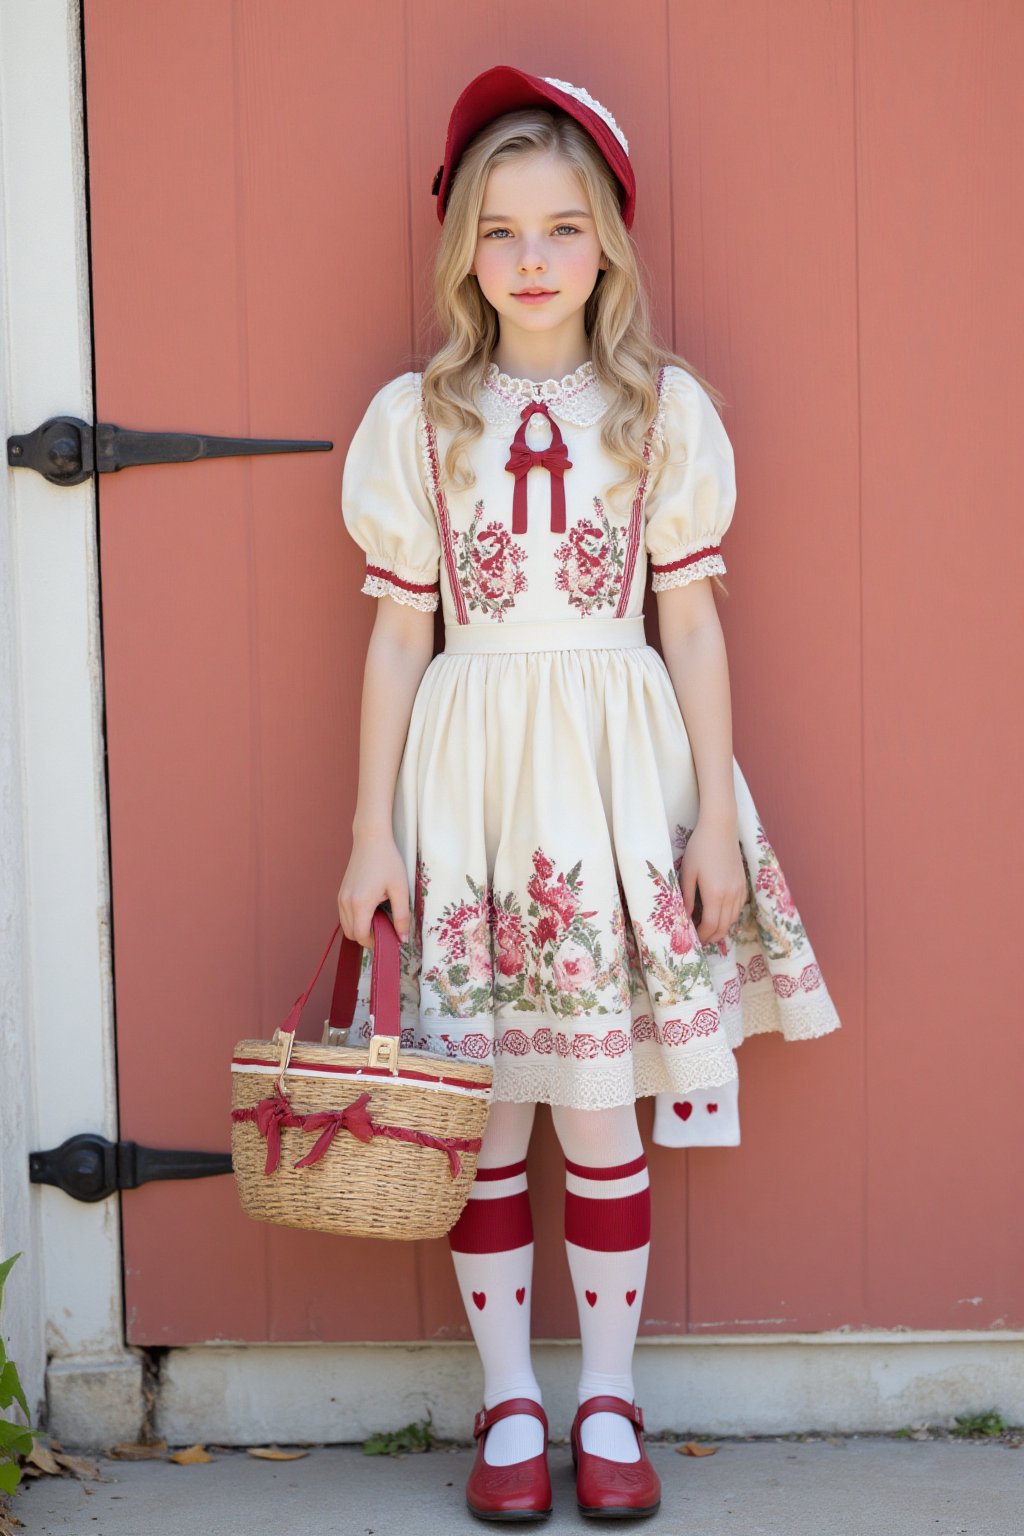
(712, 1109)
(592, 1297)
(480, 1298)
(683, 1110)
(521, 1294)
(630, 1298)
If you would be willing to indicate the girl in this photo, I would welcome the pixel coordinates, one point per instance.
(595, 906)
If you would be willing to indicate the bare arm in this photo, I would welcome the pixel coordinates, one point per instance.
(400, 649)
(694, 649)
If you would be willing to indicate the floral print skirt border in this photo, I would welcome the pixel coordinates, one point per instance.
(572, 1010)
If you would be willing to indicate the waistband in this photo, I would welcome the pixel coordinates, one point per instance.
(558, 635)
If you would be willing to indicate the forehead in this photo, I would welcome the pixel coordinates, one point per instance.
(539, 182)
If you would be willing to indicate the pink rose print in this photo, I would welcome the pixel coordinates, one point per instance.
(574, 967)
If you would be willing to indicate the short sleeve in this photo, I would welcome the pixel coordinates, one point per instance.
(692, 495)
(384, 501)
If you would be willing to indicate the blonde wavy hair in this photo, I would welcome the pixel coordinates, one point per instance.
(616, 316)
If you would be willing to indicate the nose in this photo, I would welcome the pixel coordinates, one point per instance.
(531, 259)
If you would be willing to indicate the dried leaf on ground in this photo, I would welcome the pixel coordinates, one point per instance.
(41, 1459)
(274, 1453)
(691, 1448)
(9, 1522)
(189, 1455)
(136, 1450)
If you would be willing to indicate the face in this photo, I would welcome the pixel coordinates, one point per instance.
(537, 231)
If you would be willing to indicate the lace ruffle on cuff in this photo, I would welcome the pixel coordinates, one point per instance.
(380, 582)
(707, 561)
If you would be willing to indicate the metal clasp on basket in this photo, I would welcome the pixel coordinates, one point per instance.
(383, 1050)
(287, 1040)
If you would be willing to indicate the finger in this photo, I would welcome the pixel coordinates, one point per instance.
(399, 898)
(712, 920)
(689, 889)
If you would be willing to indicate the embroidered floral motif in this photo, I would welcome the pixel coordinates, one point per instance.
(568, 974)
(676, 967)
(591, 563)
(489, 564)
(768, 917)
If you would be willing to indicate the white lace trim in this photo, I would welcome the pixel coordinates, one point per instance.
(711, 565)
(379, 586)
(594, 105)
(577, 397)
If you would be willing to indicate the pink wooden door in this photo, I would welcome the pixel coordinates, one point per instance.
(825, 198)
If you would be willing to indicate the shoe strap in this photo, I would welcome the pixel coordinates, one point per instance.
(606, 1404)
(488, 1416)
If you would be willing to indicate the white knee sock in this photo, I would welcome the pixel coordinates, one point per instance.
(607, 1243)
(492, 1250)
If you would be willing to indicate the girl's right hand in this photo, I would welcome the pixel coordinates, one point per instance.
(375, 870)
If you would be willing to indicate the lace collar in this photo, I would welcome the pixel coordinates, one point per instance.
(576, 397)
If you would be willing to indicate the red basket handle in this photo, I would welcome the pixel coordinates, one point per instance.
(385, 985)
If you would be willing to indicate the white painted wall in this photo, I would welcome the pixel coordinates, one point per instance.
(57, 1072)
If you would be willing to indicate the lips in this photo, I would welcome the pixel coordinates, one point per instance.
(530, 293)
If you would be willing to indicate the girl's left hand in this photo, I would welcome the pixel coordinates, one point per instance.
(712, 860)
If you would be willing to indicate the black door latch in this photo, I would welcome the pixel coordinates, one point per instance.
(66, 450)
(90, 1167)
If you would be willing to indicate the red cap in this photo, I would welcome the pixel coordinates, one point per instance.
(504, 89)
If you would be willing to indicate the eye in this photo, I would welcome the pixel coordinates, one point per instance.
(571, 227)
(491, 232)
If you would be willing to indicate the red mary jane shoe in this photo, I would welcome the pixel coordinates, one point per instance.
(613, 1488)
(521, 1491)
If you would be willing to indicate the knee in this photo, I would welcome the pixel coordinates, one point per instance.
(506, 1136)
(597, 1137)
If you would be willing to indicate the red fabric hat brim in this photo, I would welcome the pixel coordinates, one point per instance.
(504, 89)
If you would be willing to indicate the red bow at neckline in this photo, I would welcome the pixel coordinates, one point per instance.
(554, 458)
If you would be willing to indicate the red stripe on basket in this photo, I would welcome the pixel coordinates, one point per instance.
(408, 586)
(492, 1226)
(406, 1073)
(608, 1226)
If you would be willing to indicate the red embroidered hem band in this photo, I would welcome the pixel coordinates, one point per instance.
(697, 554)
(408, 586)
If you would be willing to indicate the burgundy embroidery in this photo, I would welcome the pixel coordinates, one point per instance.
(489, 564)
(637, 516)
(591, 563)
(690, 559)
(408, 586)
(444, 522)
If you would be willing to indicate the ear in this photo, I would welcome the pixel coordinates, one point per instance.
(604, 263)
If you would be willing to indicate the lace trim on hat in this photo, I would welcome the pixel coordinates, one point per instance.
(576, 397)
(594, 105)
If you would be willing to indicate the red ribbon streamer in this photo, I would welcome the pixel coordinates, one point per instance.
(554, 458)
(274, 1113)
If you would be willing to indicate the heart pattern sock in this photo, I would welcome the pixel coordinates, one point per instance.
(607, 1244)
(492, 1251)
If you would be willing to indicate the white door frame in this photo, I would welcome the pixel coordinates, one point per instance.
(63, 1316)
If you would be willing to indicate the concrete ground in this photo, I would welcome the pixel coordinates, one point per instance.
(852, 1486)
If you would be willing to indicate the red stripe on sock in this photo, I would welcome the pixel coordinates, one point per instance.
(508, 1172)
(608, 1226)
(492, 1226)
(621, 1171)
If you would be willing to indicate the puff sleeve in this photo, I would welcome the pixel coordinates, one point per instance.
(384, 501)
(692, 495)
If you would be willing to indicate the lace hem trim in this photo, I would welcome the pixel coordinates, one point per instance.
(391, 586)
(709, 565)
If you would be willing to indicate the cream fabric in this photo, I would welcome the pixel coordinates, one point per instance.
(547, 790)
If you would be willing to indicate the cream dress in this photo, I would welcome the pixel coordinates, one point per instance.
(547, 789)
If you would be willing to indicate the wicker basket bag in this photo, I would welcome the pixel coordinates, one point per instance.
(375, 1142)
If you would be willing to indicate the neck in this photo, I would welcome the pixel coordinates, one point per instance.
(538, 358)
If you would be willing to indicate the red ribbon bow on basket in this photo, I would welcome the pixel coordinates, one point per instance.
(274, 1114)
(554, 458)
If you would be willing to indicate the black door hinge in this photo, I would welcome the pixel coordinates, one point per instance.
(90, 1167)
(66, 450)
